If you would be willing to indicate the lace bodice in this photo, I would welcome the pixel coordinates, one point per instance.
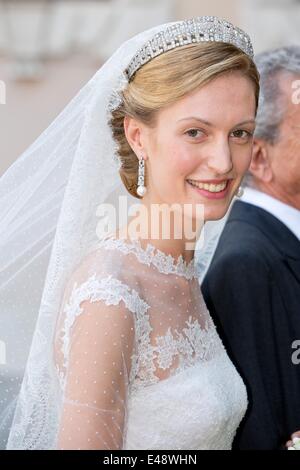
(138, 357)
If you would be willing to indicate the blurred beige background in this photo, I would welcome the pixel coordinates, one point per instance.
(48, 49)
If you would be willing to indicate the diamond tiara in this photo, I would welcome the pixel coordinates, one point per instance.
(199, 29)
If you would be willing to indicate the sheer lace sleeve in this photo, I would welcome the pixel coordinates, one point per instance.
(93, 357)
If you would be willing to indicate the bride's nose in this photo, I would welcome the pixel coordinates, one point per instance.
(219, 160)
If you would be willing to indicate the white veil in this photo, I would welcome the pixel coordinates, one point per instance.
(48, 220)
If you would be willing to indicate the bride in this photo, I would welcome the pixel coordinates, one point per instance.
(124, 353)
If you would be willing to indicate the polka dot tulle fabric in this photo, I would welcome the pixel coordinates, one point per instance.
(138, 359)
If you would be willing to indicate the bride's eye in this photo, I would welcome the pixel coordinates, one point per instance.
(193, 132)
(242, 134)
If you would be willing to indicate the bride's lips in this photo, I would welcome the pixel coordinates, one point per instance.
(213, 195)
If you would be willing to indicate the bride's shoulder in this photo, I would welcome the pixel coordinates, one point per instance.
(106, 264)
(102, 276)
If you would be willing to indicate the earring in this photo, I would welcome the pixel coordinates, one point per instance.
(141, 189)
(240, 192)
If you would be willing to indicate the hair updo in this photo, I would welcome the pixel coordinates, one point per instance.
(164, 80)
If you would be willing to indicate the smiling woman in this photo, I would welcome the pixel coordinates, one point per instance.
(125, 354)
(182, 150)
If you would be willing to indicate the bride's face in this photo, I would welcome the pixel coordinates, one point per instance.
(204, 139)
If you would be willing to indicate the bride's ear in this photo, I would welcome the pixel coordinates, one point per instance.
(260, 166)
(133, 133)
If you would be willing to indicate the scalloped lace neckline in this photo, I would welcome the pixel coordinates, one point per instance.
(165, 263)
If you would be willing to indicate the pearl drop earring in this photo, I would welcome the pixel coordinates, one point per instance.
(240, 192)
(141, 189)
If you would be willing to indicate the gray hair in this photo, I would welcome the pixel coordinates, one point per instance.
(271, 110)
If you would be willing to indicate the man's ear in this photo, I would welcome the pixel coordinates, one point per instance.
(260, 166)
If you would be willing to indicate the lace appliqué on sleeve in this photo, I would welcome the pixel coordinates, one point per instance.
(109, 289)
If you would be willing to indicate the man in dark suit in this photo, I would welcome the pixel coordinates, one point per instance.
(252, 287)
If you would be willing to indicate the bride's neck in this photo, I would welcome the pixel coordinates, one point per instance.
(167, 237)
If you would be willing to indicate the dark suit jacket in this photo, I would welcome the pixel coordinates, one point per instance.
(252, 290)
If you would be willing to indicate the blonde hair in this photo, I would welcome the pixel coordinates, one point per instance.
(164, 80)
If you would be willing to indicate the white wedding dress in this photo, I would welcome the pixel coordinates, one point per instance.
(139, 360)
